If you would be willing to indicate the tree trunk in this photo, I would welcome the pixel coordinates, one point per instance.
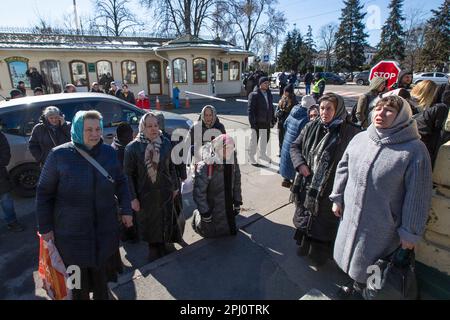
(187, 17)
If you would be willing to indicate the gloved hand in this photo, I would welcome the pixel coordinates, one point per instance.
(207, 219)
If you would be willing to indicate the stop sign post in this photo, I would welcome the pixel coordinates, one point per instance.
(385, 69)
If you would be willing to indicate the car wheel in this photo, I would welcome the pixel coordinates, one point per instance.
(360, 82)
(24, 179)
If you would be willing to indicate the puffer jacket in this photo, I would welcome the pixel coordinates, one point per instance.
(77, 203)
(213, 201)
(293, 125)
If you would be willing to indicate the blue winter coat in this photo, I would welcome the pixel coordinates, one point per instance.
(77, 203)
(293, 125)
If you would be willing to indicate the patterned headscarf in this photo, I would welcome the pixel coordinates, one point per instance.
(152, 150)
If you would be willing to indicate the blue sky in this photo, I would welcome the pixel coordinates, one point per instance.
(301, 12)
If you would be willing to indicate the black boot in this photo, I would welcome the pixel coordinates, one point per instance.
(318, 254)
(153, 252)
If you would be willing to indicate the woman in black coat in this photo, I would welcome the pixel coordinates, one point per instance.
(153, 185)
(431, 122)
(315, 155)
(50, 132)
(76, 205)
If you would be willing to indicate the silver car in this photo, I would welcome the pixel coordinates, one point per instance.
(436, 77)
(19, 116)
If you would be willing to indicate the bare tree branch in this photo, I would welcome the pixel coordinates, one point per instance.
(117, 13)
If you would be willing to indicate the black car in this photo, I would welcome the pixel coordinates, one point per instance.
(333, 78)
(362, 78)
(19, 116)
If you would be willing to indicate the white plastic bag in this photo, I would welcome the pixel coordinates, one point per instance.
(188, 185)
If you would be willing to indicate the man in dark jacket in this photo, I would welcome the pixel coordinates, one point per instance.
(6, 201)
(282, 79)
(127, 95)
(308, 80)
(404, 81)
(124, 135)
(261, 115)
(21, 87)
(50, 132)
(96, 88)
(36, 79)
(115, 91)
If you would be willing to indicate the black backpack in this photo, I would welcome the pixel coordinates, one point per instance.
(370, 98)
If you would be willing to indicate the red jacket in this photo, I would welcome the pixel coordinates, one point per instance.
(143, 104)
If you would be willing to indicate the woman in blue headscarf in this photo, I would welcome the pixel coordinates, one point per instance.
(76, 204)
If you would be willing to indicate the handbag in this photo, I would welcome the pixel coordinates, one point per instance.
(398, 278)
(187, 186)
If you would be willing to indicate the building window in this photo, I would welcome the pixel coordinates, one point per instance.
(219, 70)
(129, 72)
(78, 72)
(179, 71)
(200, 70)
(51, 72)
(18, 67)
(104, 70)
(234, 71)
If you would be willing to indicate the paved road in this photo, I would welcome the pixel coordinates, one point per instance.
(19, 252)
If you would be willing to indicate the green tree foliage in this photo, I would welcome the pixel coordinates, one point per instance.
(351, 38)
(392, 45)
(436, 52)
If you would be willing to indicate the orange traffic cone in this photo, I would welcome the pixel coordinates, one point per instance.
(188, 104)
(158, 105)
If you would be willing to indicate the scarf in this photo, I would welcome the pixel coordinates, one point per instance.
(202, 115)
(152, 150)
(321, 145)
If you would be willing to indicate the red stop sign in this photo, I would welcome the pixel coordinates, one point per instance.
(386, 69)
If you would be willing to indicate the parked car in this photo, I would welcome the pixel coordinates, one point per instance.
(362, 78)
(436, 77)
(19, 116)
(333, 78)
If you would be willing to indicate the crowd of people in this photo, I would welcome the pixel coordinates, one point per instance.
(106, 85)
(360, 181)
(361, 187)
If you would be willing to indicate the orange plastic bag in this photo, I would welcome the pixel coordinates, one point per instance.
(52, 271)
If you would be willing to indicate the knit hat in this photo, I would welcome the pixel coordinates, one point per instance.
(51, 111)
(308, 101)
(289, 88)
(262, 80)
(376, 82)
